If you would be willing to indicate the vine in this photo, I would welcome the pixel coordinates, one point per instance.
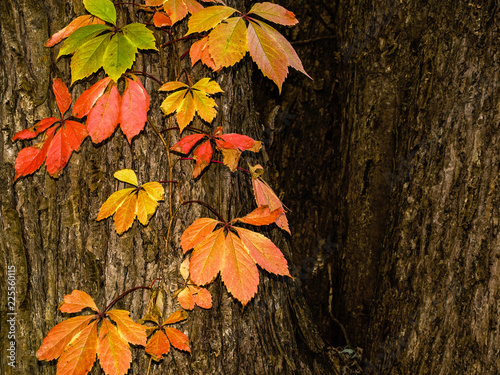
(223, 36)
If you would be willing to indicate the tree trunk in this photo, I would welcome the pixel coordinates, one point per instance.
(51, 238)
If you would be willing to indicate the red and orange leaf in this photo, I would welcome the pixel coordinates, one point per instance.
(227, 43)
(131, 331)
(80, 354)
(113, 350)
(77, 301)
(158, 345)
(199, 51)
(72, 26)
(125, 214)
(187, 143)
(29, 159)
(114, 201)
(264, 252)
(68, 138)
(202, 296)
(207, 258)
(260, 216)
(267, 54)
(87, 100)
(175, 317)
(63, 98)
(208, 18)
(238, 141)
(59, 336)
(36, 129)
(175, 9)
(274, 13)
(160, 19)
(104, 116)
(134, 109)
(197, 232)
(238, 271)
(193, 6)
(178, 339)
(185, 298)
(203, 156)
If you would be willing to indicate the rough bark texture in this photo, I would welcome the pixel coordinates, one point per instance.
(49, 233)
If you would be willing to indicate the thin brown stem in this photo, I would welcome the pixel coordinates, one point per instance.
(121, 296)
(147, 75)
(207, 206)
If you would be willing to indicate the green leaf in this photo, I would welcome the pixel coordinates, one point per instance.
(88, 58)
(79, 37)
(140, 35)
(104, 9)
(119, 56)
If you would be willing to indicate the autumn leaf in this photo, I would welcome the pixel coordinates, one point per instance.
(128, 203)
(265, 196)
(199, 51)
(231, 145)
(104, 116)
(60, 139)
(76, 342)
(134, 108)
(161, 19)
(188, 100)
(232, 37)
(71, 27)
(191, 295)
(233, 255)
(164, 336)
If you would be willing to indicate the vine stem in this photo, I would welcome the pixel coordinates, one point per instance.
(147, 75)
(207, 206)
(183, 38)
(122, 295)
(187, 127)
(219, 162)
(159, 134)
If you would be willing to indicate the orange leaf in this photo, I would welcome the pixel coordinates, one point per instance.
(59, 336)
(104, 116)
(77, 301)
(274, 13)
(202, 298)
(207, 257)
(125, 214)
(178, 339)
(260, 216)
(161, 19)
(186, 300)
(158, 345)
(267, 53)
(63, 98)
(131, 331)
(186, 143)
(86, 101)
(114, 201)
(175, 317)
(227, 43)
(203, 156)
(73, 25)
(80, 354)
(146, 207)
(264, 252)
(134, 109)
(30, 159)
(114, 352)
(238, 271)
(197, 232)
(199, 51)
(175, 9)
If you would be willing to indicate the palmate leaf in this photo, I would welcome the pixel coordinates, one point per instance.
(76, 342)
(232, 255)
(61, 138)
(126, 204)
(190, 100)
(231, 145)
(231, 38)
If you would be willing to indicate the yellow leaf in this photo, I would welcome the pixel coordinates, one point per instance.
(186, 111)
(171, 86)
(125, 214)
(146, 207)
(207, 85)
(172, 102)
(208, 18)
(114, 201)
(127, 175)
(227, 43)
(155, 190)
(204, 106)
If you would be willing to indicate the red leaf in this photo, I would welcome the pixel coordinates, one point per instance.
(104, 116)
(260, 216)
(29, 159)
(36, 129)
(203, 156)
(68, 139)
(134, 109)
(161, 19)
(63, 98)
(274, 13)
(241, 142)
(86, 101)
(186, 143)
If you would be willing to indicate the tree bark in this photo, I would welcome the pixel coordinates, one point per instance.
(50, 236)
